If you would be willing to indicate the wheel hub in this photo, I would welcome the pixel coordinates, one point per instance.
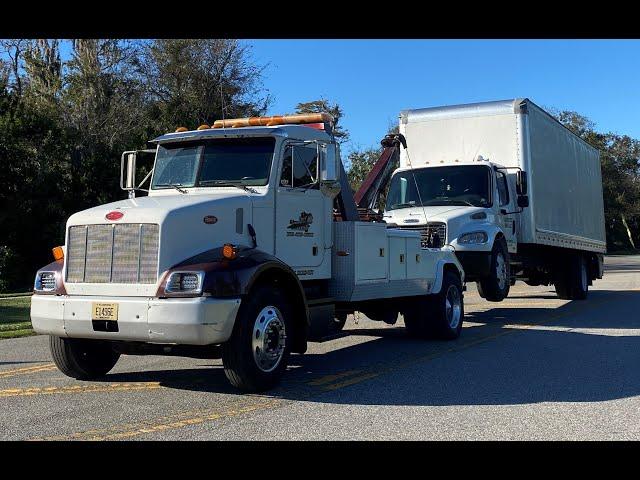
(501, 271)
(269, 339)
(453, 306)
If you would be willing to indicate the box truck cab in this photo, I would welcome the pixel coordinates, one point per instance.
(515, 193)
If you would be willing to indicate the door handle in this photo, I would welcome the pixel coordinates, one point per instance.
(513, 227)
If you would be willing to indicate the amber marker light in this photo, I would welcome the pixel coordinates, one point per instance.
(230, 252)
(58, 253)
(181, 129)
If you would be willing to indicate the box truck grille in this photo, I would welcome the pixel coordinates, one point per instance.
(123, 253)
(439, 227)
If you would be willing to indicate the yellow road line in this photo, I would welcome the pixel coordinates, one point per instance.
(350, 381)
(331, 378)
(112, 387)
(26, 370)
(181, 420)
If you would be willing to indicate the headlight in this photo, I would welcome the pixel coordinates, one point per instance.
(473, 237)
(185, 283)
(45, 282)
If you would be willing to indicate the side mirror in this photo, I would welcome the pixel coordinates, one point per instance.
(128, 171)
(329, 170)
(523, 201)
(521, 182)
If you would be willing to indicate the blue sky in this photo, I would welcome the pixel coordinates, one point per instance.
(374, 79)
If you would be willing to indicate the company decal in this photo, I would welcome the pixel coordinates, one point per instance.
(301, 273)
(210, 219)
(411, 220)
(300, 227)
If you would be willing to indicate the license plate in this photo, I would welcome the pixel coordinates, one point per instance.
(104, 311)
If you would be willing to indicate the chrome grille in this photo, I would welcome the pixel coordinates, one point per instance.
(425, 231)
(113, 253)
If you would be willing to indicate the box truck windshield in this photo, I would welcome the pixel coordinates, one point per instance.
(214, 162)
(451, 185)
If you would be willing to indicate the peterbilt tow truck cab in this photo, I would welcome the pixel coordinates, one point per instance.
(248, 245)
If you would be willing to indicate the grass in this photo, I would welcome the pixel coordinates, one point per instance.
(14, 317)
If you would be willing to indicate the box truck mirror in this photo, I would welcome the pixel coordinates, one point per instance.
(523, 201)
(521, 182)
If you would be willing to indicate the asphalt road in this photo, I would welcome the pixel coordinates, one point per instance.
(531, 367)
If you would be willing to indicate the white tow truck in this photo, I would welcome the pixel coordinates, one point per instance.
(247, 245)
(514, 192)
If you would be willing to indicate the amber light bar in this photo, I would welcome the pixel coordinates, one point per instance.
(274, 120)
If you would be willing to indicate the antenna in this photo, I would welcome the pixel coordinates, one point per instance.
(413, 175)
(222, 102)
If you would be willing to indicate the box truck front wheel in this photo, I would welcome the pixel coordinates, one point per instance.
(495, 287)
(572, 281)
(438, 316)
(256, 355)
(82, 359)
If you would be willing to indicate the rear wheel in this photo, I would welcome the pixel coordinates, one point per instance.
(572, 282)
(82, 359)
(256, 355)
(438, 316)
(495, 287)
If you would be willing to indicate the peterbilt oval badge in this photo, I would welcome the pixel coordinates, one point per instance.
(114, 215)
(210, 219)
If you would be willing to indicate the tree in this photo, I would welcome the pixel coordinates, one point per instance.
(324, 106)
(190, 82)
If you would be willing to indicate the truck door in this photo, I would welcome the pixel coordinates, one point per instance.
(300, 210)
(506, 207)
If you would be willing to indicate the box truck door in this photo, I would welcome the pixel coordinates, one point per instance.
(300, 215)
(506, 199)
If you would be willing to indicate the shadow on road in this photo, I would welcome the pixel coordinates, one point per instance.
(518, 362)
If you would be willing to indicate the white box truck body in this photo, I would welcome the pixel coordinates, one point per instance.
(516, 193)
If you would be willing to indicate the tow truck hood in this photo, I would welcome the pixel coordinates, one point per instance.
(183, 229)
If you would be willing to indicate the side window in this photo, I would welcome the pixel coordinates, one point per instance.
(503, 189)
(300, 166)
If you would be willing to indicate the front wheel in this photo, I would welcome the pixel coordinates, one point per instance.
(495, 287)
(82, 359)
(438, 316)
(256, 355)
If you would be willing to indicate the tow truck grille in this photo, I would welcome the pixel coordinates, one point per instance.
(122, 253)
(439, 227)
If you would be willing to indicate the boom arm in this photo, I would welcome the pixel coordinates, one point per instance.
(369, 192)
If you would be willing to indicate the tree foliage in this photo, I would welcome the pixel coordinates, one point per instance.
(325, 106)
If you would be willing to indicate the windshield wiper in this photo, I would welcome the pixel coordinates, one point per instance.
(398, 206)
(173, 185)
(224, 183)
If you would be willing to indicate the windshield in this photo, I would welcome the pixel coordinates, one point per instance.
(219, 162)
(459, 185)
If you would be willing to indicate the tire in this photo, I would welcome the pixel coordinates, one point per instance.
(265, 315)
(82, 359)
(431, 316)
(495, 287)
(572, 282)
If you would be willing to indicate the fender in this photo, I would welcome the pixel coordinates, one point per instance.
(440, 266)
(235, 278)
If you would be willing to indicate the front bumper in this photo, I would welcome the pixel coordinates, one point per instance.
(187, 321)
(476, 264)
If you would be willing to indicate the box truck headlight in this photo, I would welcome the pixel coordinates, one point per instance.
(184, 283)
(473, 237)
(45, 282)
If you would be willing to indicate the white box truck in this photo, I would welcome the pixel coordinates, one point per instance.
(248, 245)
(514, 192)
